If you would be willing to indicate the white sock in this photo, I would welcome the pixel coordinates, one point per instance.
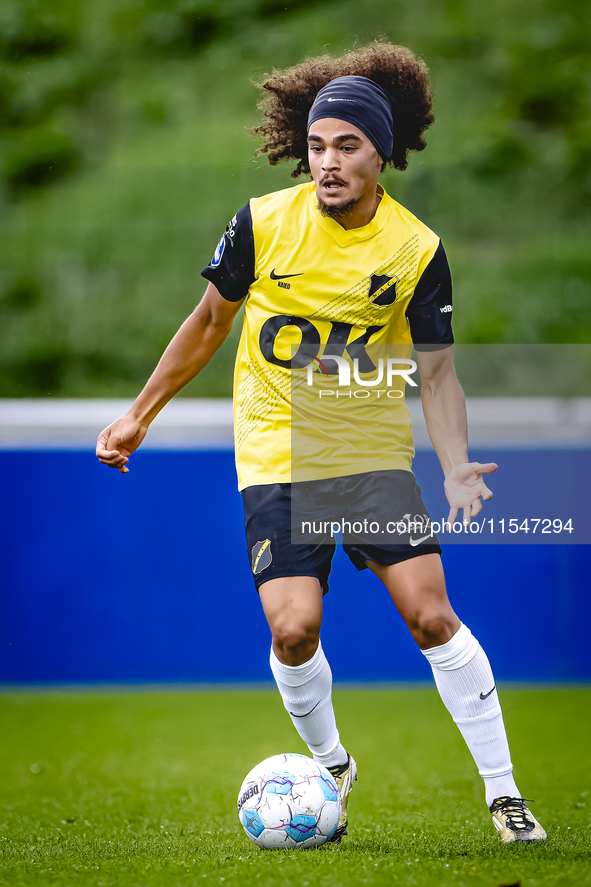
(306, 691)
(464, 679)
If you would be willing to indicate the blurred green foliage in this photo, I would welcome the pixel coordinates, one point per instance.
(124, 126)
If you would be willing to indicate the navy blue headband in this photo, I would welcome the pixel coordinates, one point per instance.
(361, 102)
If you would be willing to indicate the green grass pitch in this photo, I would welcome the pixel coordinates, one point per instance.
(139, 788)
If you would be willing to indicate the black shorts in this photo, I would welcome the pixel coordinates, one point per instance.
(292, 529)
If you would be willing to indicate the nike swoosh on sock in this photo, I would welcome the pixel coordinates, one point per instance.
(311, 710)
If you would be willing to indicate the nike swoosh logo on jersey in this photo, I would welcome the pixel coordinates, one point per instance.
(486, 695)
(274, 276)
(414, 542)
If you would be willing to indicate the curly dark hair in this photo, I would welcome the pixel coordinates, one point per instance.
(288, 96)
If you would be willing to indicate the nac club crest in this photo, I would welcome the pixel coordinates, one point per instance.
(261, 556)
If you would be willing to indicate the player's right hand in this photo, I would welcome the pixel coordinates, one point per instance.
(118, 441)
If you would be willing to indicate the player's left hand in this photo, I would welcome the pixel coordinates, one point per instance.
(465, 489)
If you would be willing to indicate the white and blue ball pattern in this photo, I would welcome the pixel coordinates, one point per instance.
(289, 801)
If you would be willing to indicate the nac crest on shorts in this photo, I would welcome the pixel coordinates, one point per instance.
(261, 556)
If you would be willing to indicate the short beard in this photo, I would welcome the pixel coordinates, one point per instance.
(335, 212)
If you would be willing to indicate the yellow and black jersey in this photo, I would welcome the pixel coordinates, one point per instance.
(313, 289)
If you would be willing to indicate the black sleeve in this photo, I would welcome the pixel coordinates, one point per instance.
(430, 307)
(231, 269)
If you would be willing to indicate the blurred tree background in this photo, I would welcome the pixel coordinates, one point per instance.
(126, 150)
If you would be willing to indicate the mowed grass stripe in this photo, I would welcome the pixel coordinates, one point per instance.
(140, 789)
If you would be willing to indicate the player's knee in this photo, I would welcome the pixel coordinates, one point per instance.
(295, 643)
(431, 628)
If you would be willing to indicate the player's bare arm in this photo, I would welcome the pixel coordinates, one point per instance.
(193, 346)
(444, 407)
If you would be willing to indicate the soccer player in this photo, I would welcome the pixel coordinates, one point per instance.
(329, 270)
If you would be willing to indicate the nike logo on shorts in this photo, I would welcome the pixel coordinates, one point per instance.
(414, 542)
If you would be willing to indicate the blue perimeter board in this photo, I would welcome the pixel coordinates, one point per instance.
(145, 578)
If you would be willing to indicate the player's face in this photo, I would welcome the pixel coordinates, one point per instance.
(345, 167)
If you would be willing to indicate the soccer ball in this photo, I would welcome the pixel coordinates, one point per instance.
(289, 801)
